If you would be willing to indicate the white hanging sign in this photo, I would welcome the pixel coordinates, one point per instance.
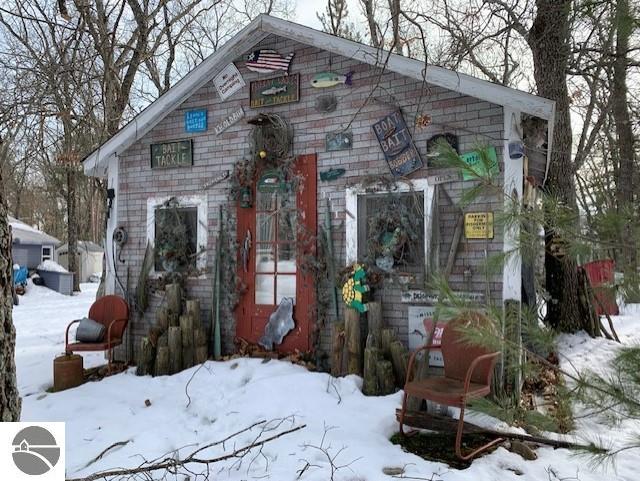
(228, 81)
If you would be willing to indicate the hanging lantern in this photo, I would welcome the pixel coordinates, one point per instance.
(246, 197)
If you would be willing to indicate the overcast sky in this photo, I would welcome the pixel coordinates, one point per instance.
(306, 11)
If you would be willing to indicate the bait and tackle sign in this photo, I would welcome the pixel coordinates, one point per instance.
(397, 145)
(274, 91)
(172, 154)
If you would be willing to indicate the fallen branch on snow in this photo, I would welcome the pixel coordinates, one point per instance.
(172, 464)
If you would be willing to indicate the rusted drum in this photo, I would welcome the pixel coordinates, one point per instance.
(67, 372)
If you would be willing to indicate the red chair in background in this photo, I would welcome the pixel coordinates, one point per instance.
(468, 370)
(113, 313)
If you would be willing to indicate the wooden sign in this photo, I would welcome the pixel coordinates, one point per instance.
(172, 154)
(444, 178)
(423, 297)
(228, 81)
(229, 120)
(474, 161)
(215, 179)
(420, 325)
(478, 225)
(195, 120)
(397, 145)
(274, 91)
(338, 141)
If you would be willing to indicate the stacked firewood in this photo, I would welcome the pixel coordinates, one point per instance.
(177, 340)
(382, 362)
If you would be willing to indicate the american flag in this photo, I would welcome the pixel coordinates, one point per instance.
(267, 60)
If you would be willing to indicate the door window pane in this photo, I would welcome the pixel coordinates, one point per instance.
(286, 258)
(287, 225)
(265, 257)
(266, 224)
(266, 201)
(286, 288)
(265, 285)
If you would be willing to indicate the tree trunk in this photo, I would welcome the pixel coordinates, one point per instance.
(9, 399)
(549, 43)
(72, 226)
(369, 13)
(624, 132)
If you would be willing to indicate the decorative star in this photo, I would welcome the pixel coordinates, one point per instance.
(252, 56)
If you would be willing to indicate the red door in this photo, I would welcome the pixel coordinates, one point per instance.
(279, 224)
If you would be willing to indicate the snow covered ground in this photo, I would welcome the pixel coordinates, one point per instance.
(228, 396)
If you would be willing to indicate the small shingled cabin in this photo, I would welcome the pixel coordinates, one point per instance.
(294, 173)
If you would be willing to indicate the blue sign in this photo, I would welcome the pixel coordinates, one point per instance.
(397, 145)
(195, 121)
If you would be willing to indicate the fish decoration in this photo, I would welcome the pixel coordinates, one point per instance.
(246, 250)
(267, 60)
(329, 79)
(274, 90)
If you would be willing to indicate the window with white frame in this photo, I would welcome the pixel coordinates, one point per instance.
(390, 227)
(177, 228)
(47, 253)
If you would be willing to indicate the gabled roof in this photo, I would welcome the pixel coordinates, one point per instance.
(95, 164)
(25, 234)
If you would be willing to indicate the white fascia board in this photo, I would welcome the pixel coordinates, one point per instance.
(95, 163)
(449, 79)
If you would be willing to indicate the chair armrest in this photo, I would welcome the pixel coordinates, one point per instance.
(413, 358)
(110, 326)
(66, 334)
(474, 364)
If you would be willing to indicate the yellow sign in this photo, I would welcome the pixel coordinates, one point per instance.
(478, 225)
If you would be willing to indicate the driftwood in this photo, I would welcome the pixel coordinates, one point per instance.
(434, 422)
(371, 359)
(162, 361)
(175, 350)
(193, 310)
(201, 354)
(353, 341)
(163, 340)
(386, 379)
(337, 348)
(162, 319)
(174, 302)
(399, 359)
(186, 332)
(387, 336)
(375, 321)
(146, 359)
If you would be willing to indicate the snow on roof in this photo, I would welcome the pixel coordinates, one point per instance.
(25, 234)
(95, 164)
(87, 246)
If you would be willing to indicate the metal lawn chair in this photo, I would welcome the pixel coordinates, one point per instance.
(468, 370)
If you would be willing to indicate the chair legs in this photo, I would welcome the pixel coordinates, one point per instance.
(401, 420)
(458, 445)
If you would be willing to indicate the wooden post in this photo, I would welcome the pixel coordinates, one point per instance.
(174, 303)
(162, 361)
(175, 350)
(387, 336)
(147, 358)
(353, 343)
(162, 319)
(399, 361)
(375, 322)
(371, 359)
(386, 379)
(201, 351)
(337, 347)
(163, 340)
(193, 310)
(186, 331)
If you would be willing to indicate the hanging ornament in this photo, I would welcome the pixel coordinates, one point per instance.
(354, 290)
